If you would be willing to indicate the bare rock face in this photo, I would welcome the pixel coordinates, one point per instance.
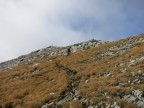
(137, 97)
(49, 51)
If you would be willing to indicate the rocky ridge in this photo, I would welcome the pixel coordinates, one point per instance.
(136, 97)
(109, 76)
(50, 51)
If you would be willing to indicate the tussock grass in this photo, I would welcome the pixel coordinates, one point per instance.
(34, 84)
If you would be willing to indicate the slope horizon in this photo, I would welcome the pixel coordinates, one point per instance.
(122, 37)
(92, 74)
(28, 25)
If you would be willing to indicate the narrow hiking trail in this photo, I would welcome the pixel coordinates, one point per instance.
(71, 92)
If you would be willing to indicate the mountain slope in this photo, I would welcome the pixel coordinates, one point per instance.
(110, 75)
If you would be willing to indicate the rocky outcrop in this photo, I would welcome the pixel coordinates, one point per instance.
(137, 97)
(49, 51)
(68, 94)
(89, 84)
(121, 47)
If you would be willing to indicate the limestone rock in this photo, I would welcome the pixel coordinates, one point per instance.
(49, 51)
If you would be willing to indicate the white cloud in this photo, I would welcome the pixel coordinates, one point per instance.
(27, 25)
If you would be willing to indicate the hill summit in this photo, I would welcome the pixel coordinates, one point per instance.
(49, 52)
(92, 74)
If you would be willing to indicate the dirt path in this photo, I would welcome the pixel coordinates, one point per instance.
(70, 92)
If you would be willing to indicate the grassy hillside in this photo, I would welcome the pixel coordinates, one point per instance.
(99, 76)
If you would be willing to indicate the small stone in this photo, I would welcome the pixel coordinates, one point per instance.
(123, 70)
(142, 58)
(51, 93)
(109, 74)
(36, 64)
(133, 74)
(117, 106)
(121, 64)
(90, 107)
(136, 80)
(86, 81)
(140, 104)
(132, 62)
(44, 106)
(138, 94)
(140, 71)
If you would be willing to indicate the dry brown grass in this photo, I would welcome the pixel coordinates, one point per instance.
(32, 85)
(72, 104)
(89, 69)
(125, 104)
(31, 88)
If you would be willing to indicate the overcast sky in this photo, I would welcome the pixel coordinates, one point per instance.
(27, 25)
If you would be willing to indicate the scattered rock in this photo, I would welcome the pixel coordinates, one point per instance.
(137, 98)
(52, 93)
(123, 70)
(86, 81)
(50, 105)
(49, 51)
(114, 105)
